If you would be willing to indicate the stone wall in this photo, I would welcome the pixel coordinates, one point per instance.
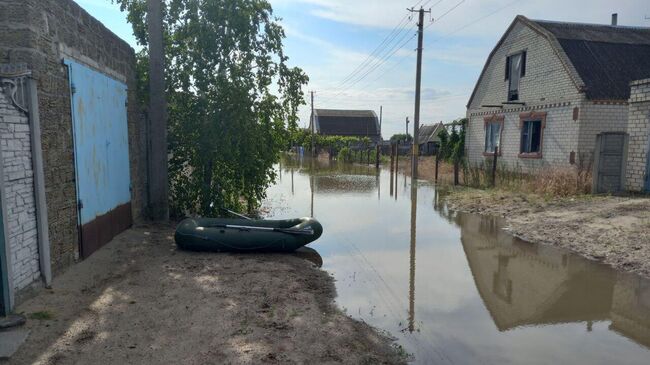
(19, 202)
(42, 33)
(638, 129)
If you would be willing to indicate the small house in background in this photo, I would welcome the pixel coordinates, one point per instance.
(557, 94)
(348, 123)
(428, 140)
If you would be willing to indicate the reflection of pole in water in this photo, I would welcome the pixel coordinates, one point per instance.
(414, 205)
(280, 169)
(396, 159)
(435, 200)
(292, 193)
(378, 185)
(391, 180)
(311, 184)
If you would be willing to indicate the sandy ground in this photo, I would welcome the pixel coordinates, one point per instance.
(613, 230)
(139, 300)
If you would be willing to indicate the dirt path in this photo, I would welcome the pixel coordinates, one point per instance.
(614, 230)
(141, 301)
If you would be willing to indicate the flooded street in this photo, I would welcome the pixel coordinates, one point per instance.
(454, 288)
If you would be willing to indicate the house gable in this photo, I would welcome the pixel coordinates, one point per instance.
(549, 76)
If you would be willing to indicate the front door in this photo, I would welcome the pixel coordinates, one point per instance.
(101, 148)
(610, 160)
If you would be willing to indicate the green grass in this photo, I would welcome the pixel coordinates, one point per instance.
(41, 315)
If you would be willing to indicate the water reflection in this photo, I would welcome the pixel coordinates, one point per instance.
(310, 255)
(483, 296)
(414, 214)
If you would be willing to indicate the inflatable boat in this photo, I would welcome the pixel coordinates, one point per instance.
(240, 235)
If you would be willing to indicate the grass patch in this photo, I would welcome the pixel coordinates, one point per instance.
(41, 315)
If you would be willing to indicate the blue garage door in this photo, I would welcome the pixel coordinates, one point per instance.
(101, 148)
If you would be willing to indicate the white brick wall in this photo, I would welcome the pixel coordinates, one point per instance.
(638, 129)
(547, 87)
(597, 118)
(19, 194)
(546, 79)
(559, 139)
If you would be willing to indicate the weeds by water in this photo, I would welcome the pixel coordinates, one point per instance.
(546, 181)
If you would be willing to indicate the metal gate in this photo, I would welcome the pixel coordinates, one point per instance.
(611, 149)
(101, 149)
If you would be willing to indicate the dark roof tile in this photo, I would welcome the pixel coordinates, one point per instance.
(607, 58)
(347, 122)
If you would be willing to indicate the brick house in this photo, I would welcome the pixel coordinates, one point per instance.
(555, 94)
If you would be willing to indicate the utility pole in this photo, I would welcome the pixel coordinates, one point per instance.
(312, 124)
(407, 129)
(418, 82)
(158, 162)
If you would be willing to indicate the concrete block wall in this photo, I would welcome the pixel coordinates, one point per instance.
(41, 33)
(638, 128)
(546, 79)
(546, 87)
(559, 139)
(599, 117)
(19, 202)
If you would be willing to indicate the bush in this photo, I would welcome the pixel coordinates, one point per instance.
(345, 154)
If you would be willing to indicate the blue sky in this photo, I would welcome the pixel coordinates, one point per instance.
(329, 39)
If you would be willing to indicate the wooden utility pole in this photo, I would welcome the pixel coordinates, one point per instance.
(312, 124)
(158, 162)
(418, 82)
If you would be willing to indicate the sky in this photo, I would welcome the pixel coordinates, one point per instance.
(355, 60)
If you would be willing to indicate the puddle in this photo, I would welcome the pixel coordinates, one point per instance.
(455, 288)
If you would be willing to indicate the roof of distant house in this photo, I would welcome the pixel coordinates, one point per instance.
(429, 132)
(338, 122)
(601, 59)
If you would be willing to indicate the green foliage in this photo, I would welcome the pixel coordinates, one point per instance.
(401, 138)
(345, 154)
(233, 99)
(452, 145)
(336, 144)
(42, 315)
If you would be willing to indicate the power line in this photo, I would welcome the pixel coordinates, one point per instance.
(387, 40)
(374, 64)
(381, 62)
(447, 12)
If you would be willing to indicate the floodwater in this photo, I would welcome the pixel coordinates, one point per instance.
(454, 288)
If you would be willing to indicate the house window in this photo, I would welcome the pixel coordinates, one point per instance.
(492, 136)
(515, 70)
(531, 137)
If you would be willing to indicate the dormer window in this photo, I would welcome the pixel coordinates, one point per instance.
(515, 70)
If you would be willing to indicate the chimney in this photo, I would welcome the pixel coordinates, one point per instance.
(614, 19)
